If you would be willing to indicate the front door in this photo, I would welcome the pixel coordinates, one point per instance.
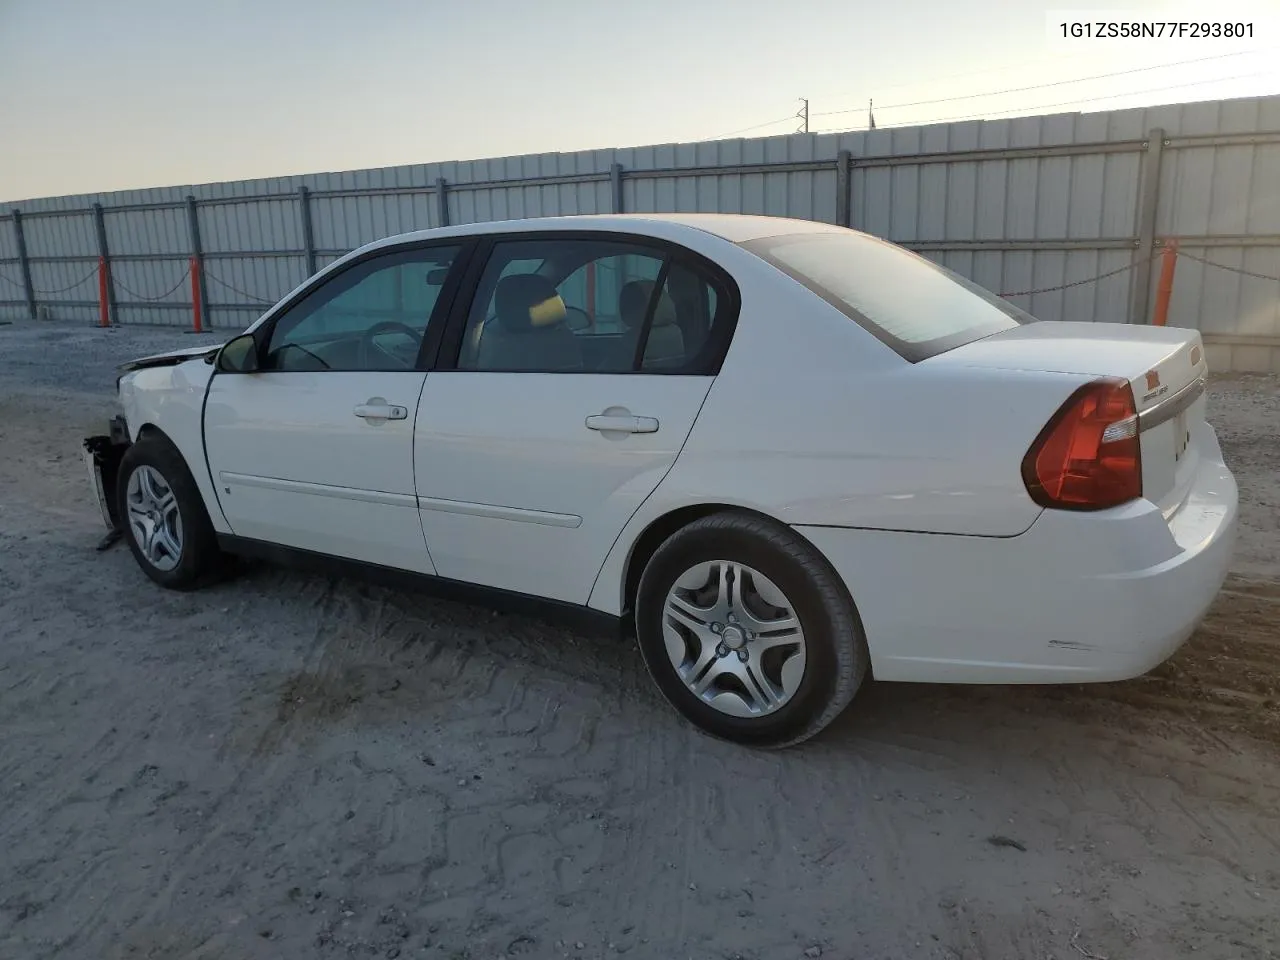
(315, 451)
(581, 367)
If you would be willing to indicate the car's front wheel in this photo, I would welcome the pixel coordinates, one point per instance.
(163, 516)
(748, 631)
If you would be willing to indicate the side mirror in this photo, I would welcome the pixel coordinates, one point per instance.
(239, 355)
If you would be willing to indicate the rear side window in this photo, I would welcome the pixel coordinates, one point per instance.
(915, 306)
(596, 304)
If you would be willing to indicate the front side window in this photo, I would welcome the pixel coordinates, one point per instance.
(587, 305)
(912, 304)
(372, 316)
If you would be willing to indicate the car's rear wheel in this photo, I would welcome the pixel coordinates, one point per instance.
(748, 631)
(163, 516)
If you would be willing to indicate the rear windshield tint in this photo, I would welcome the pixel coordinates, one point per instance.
(915, 306)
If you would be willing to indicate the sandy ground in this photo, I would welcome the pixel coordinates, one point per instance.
(290, 767)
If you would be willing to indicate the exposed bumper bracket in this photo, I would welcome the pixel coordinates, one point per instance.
(102, 459)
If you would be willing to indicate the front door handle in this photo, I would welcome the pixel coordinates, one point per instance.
(622, 423)
(377, 408)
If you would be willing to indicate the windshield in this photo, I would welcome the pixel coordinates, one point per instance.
(915, 306)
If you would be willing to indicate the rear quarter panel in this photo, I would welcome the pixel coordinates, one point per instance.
(902, 450)
(815, 422)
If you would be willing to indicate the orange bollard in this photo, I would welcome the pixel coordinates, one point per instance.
(1168, 263)
(197, 326)
(104, 313)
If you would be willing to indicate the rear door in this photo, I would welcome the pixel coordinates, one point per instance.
(315, 449)
(579, 363)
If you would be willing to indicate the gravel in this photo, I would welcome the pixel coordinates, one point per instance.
(290, 766)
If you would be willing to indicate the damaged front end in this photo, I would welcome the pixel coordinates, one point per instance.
(102, 455)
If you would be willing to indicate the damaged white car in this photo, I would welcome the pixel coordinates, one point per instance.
(786, 455)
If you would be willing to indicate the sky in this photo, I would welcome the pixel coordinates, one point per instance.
(135, 93)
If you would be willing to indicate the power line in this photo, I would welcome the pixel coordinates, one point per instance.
(758, 126)
(995, 115)
(1042, 86)
(993, 93)
(975, 73)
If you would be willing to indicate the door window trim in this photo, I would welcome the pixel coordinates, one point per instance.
(719, 337)
(437, 323)
(650, 311)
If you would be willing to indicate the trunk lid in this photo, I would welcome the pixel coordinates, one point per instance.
(1165, 366)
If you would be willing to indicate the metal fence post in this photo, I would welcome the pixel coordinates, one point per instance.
(844, 181)
(442, 202)
(308, 236)
(1148, 207)
(615, 184)
(24, 263)
(100, 224)
(197, 259)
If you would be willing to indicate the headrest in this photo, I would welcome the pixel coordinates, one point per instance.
(633, 303)
(664, 315)
(526, 302)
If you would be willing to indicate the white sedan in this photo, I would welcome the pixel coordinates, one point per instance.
(786, 455)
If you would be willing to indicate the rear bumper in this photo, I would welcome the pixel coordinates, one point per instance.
(1078, 597)
(102, 455)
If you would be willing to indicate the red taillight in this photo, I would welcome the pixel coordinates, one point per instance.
(1088, 456)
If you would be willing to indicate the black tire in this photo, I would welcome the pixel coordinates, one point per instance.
(837, 660)
(200, 560)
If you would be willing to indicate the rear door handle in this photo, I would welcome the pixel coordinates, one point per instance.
(611, 423)
(377, 408)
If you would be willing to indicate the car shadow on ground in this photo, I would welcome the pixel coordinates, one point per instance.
(393, 654)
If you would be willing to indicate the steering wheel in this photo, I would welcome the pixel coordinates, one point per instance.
(386, 326)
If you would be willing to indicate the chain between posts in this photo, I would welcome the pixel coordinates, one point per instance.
(1078, 283)
(139, 296)
(88, 276)
(222, 283)
(1223, 266)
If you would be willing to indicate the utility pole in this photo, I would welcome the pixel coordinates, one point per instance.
(803, 116)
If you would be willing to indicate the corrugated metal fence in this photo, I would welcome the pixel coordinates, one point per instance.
(1067, 214)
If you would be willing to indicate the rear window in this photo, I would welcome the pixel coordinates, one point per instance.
(915, 306)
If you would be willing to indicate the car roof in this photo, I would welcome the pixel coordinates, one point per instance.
(736, 228)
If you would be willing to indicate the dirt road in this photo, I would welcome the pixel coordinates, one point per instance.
(293, 767)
